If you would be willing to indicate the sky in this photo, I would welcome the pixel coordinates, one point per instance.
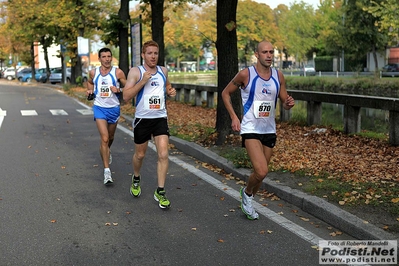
(274, 3)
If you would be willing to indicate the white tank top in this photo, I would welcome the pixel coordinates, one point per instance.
(259, 99)
(104, 96)
(151, 99)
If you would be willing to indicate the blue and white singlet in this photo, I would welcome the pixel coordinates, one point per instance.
(151, 99)
(104, 96)
(259, 99)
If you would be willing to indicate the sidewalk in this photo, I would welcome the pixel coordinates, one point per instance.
(313, 205)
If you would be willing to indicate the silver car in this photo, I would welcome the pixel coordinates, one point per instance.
(390, 70)
(308, 70)
(56, 76)
(10, 73)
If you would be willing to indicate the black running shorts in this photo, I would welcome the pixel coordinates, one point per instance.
(268, 140)
(145, 128)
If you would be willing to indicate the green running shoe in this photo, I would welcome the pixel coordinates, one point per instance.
(135, 188)
(161, 198)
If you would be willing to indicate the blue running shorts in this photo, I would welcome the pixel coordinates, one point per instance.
(111, 115)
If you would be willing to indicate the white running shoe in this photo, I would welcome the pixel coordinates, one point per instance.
(246, 205)
(107, 178)
(110, 158)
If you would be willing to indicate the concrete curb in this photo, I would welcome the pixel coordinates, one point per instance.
(313, 205)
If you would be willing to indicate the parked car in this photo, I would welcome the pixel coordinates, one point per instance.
(308, 70)
(22, 71)
(390, 70)
(9, 73)
(203, 68)
(40, 76)
(56, 76)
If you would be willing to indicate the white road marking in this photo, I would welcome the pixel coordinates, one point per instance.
(85, 111)
(3, 113)
(58, 112)
(28, 112)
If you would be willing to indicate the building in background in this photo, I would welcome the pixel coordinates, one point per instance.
(53, 56)
(88, 62)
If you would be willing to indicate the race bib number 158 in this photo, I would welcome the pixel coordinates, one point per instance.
(105, 91)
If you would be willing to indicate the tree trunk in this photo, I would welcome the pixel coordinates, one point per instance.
(226, 46)
(32, 54)
(124, 37)
(46, 43)
(375, 58)
(157, 25)
(45, 51)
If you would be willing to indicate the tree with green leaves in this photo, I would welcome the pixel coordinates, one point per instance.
(329, 27)
(386, 13)
(158, 20)
(26, 27)
(115, 32)
(360, 33)
(255, 23)
(298, 27)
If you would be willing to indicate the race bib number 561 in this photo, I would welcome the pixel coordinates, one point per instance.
(154, 102)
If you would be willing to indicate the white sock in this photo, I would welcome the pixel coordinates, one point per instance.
(107, 170)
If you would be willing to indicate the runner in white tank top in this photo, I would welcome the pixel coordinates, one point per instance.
(150, 85)
(260, 86)
(103, 84)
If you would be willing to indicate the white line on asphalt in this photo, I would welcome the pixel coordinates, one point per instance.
(85, 111)
(58, 112)
(28, 112)
(3, 113)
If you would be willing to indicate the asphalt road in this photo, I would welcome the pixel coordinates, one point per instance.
(55, 210)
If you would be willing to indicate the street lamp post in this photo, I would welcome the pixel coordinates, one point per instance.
(343, 52)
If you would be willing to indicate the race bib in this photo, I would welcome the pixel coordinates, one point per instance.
(105, 91)
(154, 102)
(263, 109)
